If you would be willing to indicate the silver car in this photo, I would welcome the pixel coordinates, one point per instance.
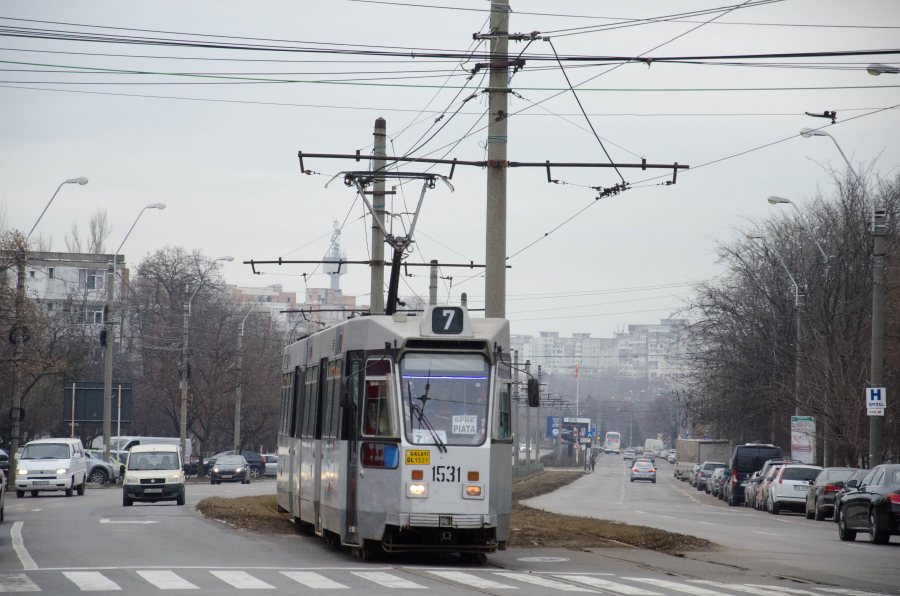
(643, 470)
(271, 465)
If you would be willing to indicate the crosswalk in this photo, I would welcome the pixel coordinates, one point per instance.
(386, 579)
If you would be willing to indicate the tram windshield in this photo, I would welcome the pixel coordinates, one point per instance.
(445, 398)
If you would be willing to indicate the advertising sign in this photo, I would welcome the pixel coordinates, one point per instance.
(87, 399)
(803, 439)
(552, 426)
(575, 429)
(875, 401)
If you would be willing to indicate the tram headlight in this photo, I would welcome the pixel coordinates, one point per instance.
(417, 490)
(473, 491)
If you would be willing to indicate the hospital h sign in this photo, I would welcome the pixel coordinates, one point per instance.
(875, 401)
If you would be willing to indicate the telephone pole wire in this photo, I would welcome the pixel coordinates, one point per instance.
(498, 93)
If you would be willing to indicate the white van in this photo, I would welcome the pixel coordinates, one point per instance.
(654, 445)
(51, 464)
(124, 443)
(153, 473)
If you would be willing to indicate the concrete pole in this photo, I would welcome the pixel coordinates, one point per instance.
(527, 419)
(108, 364)
(433, 283)
(515, 405)
(376, 301)
(237, 392)
(464, 300)
(495, 257)
(184, 377)
(537, 423)
(16, 413)
(876, 423)
(798, 351)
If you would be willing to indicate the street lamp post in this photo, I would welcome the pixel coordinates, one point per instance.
(19, 339)
(798, 308)
(879, 229)
(240, 364)
(773, 200)
(184, 356)
(110, 331)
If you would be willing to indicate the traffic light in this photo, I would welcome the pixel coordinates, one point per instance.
(534, 393)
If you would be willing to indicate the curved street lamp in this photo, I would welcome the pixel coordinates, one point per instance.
(80, 180)
(773, 200)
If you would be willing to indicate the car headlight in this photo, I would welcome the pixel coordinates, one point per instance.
(216, 470)
(63, 471)
(131, 480)
(22, 472)
(174, 479)
(238, 470)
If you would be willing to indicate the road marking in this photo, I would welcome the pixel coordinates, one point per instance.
(609, 586)
(242, 580)
(849, 592)
(313, 580)
(388, 581)
(758, 590)
(765, 533)
(37, 509)
(28, 563)
(706, 523)
(541, 581)
(17, 582)
(125, 521)
(676, 586)
(770, 589)
(91, 580)
(167, 580)
(472, 580)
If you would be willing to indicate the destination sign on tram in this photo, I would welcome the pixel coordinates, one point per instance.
(418, 457)
(465, 425)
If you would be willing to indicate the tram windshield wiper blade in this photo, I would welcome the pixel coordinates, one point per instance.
(419, 412)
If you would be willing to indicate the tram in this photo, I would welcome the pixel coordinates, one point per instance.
(396, 433)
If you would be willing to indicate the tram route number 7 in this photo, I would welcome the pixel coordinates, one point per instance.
(446, 474)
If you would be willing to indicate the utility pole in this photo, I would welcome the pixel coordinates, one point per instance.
(527, 420)
(433, 283)
(16, 413)
(237, 390)
(376, 296)
(495, 245)
(110, 329)
(537, 424)
(515, 406)
(184, 377)
(876, 423)
(798, 310)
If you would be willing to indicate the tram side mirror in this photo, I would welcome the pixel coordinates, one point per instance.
(534, 393)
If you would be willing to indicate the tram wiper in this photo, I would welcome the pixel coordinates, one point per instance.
(419, 411)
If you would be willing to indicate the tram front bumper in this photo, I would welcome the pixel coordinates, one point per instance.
(437, 520)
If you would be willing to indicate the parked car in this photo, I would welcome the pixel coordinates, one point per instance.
(711, 486)
(51, 464)
(788, 489)
(2, 491)
(762, 495)
(692, 476)
(750, 490)
(745, 460)
(643, 469)
(706, 470)
(670, 457)
(99, 471)
(153, 473)
(271, 464)
(820, 498)
(872, 506)
(230, 468)
(4, 460)
(857, 476)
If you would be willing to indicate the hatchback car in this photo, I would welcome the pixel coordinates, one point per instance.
(643, 470)
(705, 471)
(820, 498)
(873, 506)
(271, 465)
(712, 484)
(230, 468)
(788, 488)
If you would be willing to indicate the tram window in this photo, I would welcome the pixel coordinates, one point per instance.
(285, 403)
(296, 399)
(300, 384)
(504, 416)
(377, 412)
(309, 410)
(336, 398)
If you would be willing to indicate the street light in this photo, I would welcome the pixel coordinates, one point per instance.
(184, 356)
(807, 132)
(797, 311)
(773, 200)
(878, 69)
(108, 369)
(18, 333)
(240, 364)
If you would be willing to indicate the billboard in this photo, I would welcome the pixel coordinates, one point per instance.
(803, 439)
(88, 402)
(552, 427)
(575, 429)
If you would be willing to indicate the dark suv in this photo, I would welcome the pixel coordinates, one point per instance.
(746, 460)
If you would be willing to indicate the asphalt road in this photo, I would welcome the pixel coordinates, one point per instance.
(61, 545)
(787, 544)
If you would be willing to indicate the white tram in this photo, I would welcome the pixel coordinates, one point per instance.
(396, 432)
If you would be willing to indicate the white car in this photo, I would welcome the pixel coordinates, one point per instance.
(153, 473)
(789, 486)
(51, 464)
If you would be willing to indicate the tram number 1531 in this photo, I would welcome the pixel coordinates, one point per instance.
(446, 474)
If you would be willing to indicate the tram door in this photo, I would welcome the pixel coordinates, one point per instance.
(294, 449)
(319, 446)
(350, 431)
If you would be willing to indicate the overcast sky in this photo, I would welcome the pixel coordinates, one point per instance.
(230, 177)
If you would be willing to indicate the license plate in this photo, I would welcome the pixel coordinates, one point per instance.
(418, 458)
(226, 475)
(801, 487)
(152, 490)
(41, 482)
